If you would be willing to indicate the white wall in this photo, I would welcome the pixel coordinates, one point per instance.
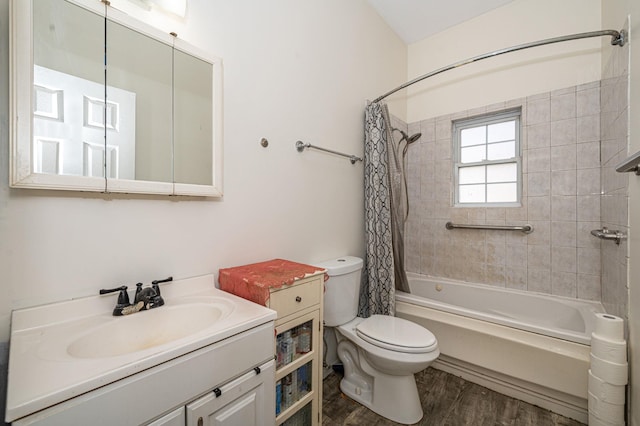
(510, 76)
(614, 14)
(292, 70)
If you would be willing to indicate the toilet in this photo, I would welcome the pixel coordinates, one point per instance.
(380, 354)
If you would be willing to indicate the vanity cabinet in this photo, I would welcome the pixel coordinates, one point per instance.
(174, 418)
(243, 401)
(295, 292)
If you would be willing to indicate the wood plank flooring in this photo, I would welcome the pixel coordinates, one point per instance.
(447, 400)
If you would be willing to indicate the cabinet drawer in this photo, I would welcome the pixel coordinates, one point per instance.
(292, 299)
(247, 400)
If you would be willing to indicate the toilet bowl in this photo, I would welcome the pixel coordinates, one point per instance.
(380, 354)
(379, 374)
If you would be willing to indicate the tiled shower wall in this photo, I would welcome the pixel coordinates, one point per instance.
(560, 142)
(614, 127)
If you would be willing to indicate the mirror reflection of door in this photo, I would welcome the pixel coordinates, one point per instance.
(70, 114)
(59, 56)
(69, 127)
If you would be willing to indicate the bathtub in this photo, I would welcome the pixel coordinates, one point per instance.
(529, 346)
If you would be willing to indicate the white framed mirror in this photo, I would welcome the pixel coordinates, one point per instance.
(121, 108)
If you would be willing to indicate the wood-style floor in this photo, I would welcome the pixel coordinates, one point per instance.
(446, 400)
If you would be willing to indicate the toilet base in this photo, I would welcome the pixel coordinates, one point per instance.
(397, 400)
(395, 397)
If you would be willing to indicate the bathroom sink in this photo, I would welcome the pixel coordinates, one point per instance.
(69, 348)
(146, 329)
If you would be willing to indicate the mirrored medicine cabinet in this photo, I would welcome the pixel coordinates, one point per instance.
(102, 102)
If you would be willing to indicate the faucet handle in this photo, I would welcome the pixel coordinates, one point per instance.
(123, 297)
(112, 290)
(158, 300)
(155, 283)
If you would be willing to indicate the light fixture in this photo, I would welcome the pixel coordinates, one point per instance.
(175, 7)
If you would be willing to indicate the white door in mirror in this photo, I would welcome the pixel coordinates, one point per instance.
(69, 120)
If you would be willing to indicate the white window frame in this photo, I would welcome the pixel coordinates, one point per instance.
(486, 120)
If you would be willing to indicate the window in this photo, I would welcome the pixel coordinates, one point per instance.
(487, 164)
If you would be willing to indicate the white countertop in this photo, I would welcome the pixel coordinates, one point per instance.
(42, 373)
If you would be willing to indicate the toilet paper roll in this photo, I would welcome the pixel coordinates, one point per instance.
(606, 392)
(597, 421)
(609, 372)
(605, 410)
(609, 326)
(609, 350)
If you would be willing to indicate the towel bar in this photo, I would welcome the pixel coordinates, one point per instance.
(300, 146)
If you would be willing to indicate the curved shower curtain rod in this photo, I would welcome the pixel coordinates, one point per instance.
(618, 38)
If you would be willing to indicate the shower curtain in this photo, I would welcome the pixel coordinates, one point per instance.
(384, 265)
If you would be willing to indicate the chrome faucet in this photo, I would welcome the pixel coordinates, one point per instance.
(144, 299)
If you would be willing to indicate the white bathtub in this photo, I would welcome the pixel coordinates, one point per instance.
(533, 347)
(564, 318)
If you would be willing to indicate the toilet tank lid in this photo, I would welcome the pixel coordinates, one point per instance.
(340, 266)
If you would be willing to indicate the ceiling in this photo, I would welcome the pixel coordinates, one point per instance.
(414, 20)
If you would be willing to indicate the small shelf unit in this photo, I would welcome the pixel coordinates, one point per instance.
(295, 291)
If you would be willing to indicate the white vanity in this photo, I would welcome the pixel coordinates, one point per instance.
(205, 357)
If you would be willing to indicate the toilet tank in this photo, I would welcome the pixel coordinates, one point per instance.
(342, 290)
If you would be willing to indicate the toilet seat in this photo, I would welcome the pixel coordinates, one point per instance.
(396, 334)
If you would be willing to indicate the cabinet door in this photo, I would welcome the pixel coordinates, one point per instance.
(247, 401)
(174, 418)
(138, 123)
(53, 71)
(298, 378)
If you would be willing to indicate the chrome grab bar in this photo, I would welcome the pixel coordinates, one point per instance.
(606, 234)
(300, 146)
(630, 164)
(527, 229)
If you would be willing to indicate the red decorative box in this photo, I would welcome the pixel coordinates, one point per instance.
(253, 282)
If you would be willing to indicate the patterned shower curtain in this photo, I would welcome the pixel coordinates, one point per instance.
(384, 266)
